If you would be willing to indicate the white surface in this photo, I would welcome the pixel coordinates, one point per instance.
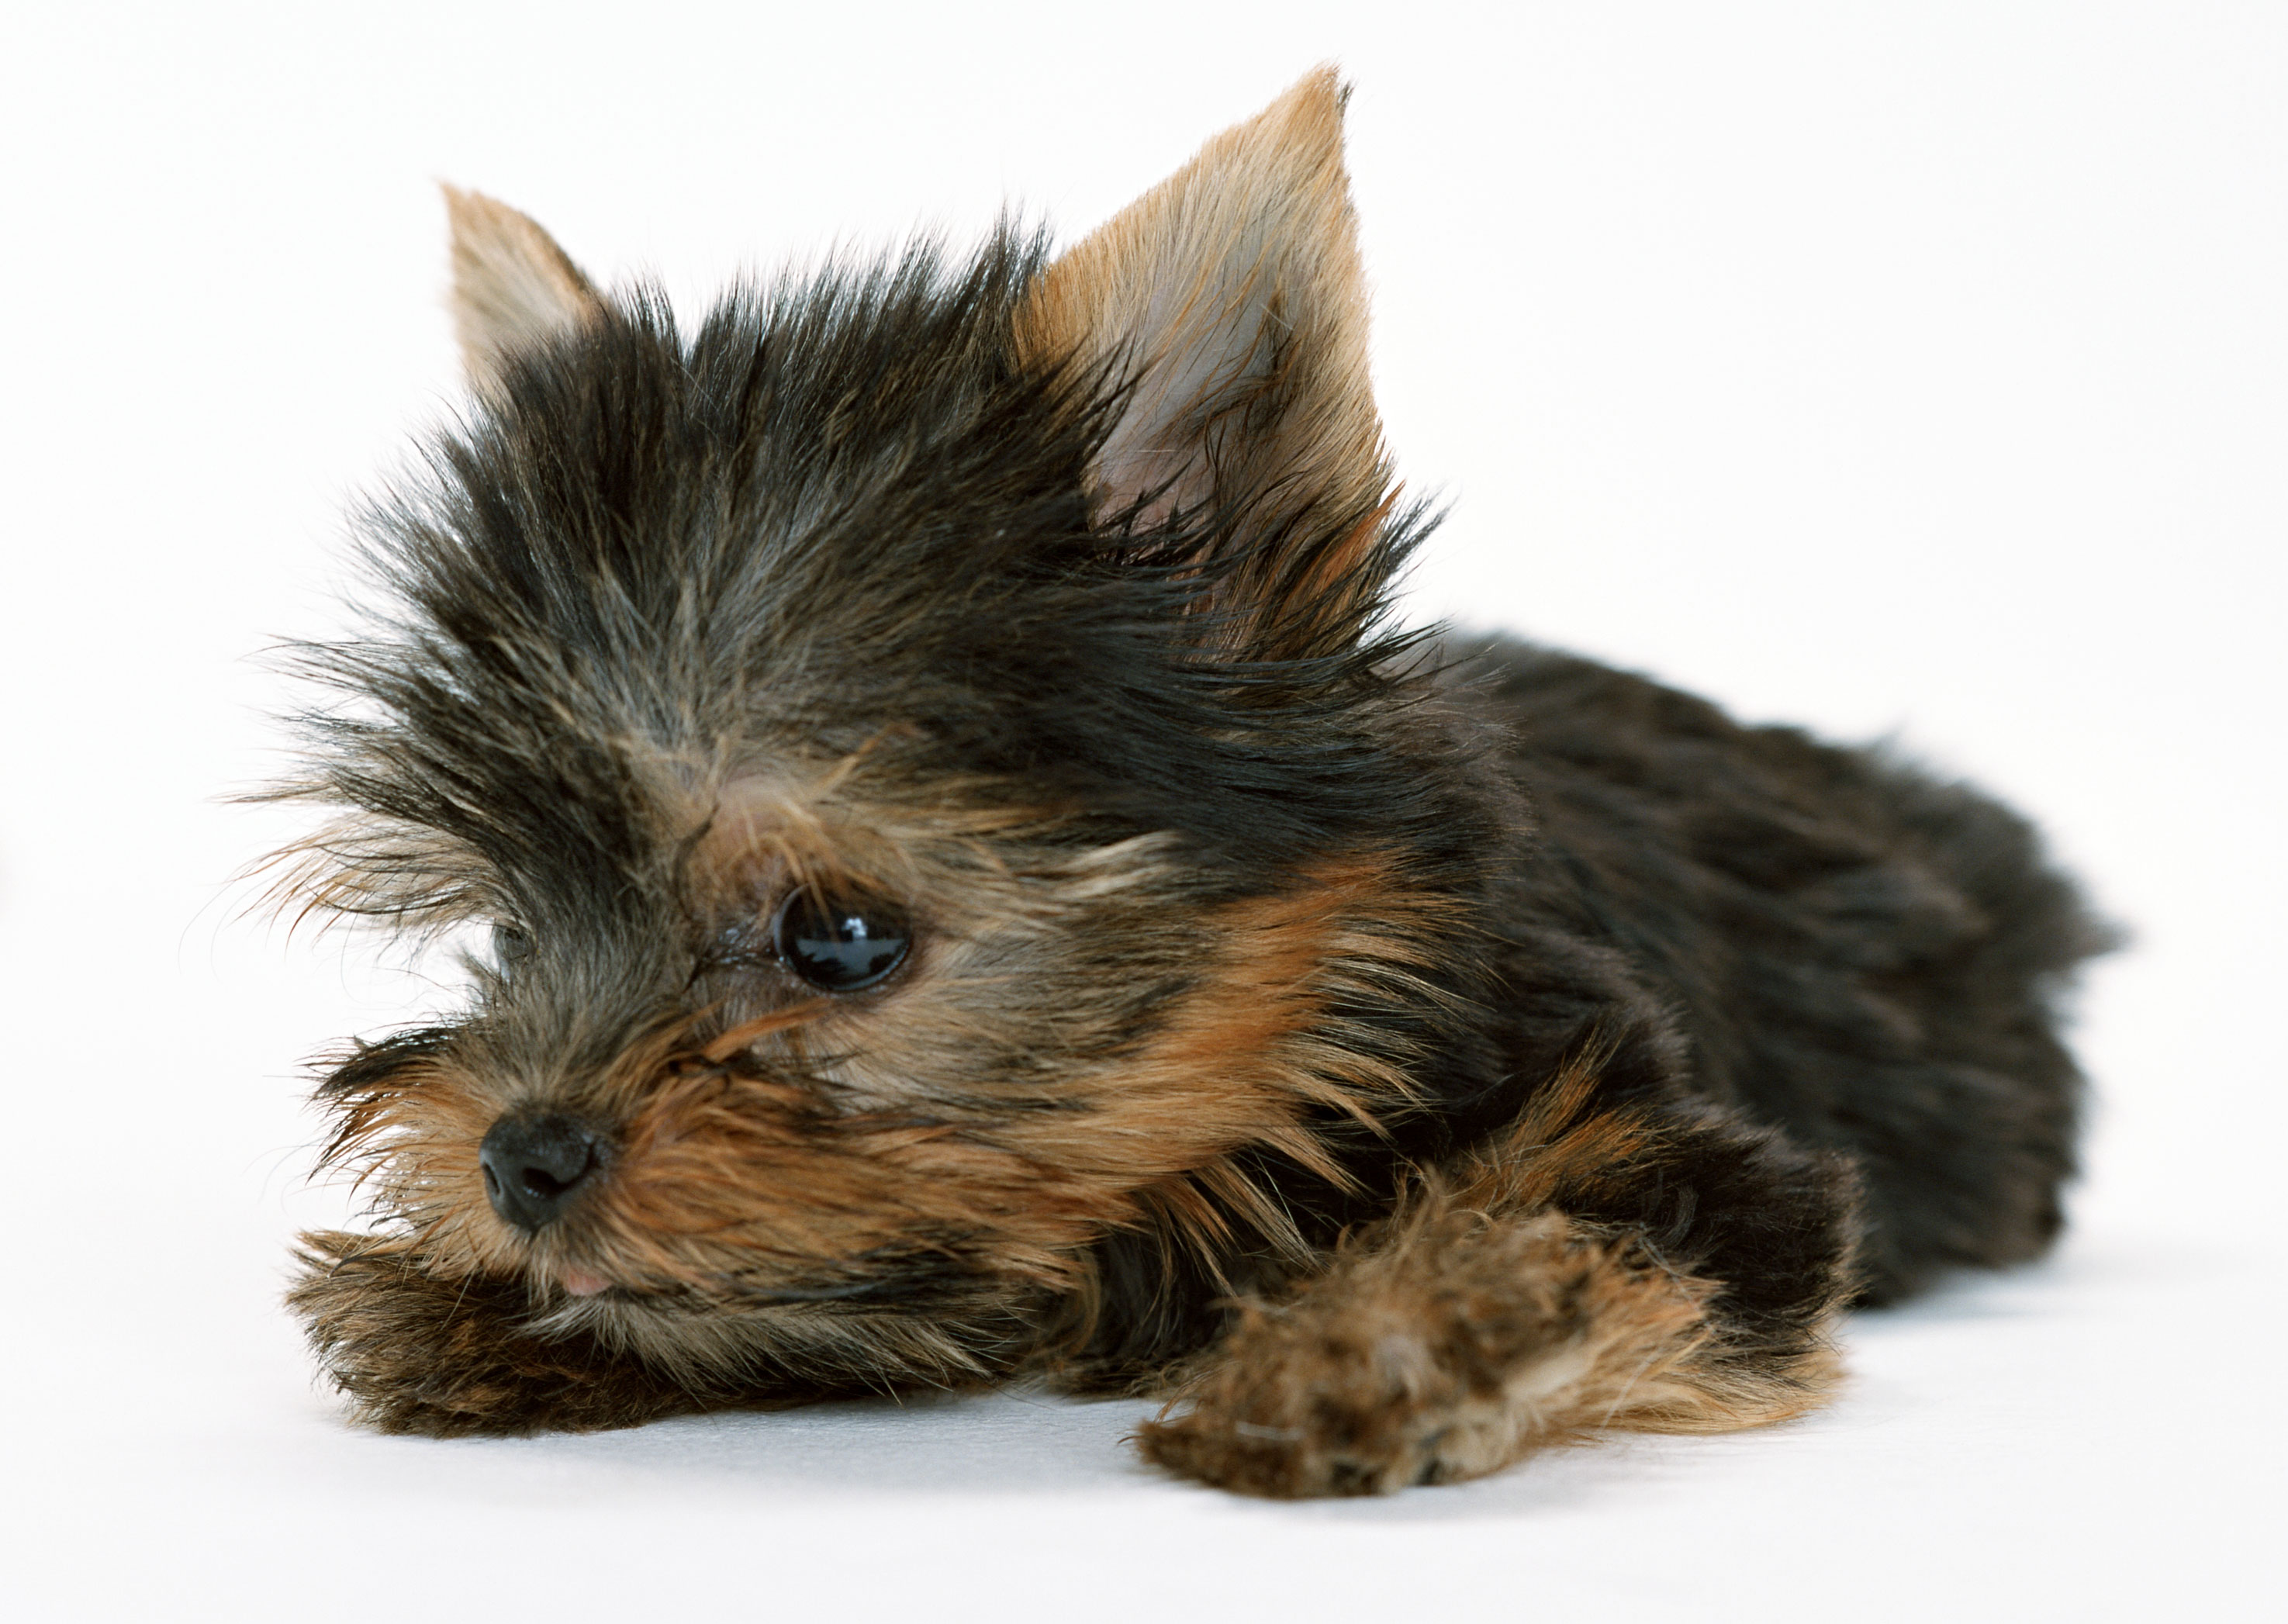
(1919, 368)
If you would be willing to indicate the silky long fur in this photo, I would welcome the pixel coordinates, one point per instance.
(1403, 1053)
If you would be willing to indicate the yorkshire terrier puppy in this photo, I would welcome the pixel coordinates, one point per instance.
(980, 889)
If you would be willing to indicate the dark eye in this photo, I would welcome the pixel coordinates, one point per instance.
(839, 947)
(511, 944)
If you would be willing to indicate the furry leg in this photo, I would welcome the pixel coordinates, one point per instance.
(1655, 1271)
(417, 1353)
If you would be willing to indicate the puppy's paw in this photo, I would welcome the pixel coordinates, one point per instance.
(1307, 1406)
(448, 1357)
(1450, 1352)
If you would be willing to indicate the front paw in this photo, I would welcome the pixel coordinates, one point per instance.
(1448, 1354)
(1304, 1406)
(447, 1357)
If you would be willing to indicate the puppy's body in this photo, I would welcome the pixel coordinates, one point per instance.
(978, 890)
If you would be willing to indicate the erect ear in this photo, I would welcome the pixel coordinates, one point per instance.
(513, 287)
(1230, 296)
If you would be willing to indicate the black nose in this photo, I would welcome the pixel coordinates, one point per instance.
(535, 1165)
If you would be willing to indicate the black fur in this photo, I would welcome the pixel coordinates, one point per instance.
(846, 519)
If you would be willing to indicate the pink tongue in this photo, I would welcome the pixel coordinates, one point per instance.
(580, 1283)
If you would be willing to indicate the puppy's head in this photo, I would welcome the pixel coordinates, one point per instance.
(923, 753)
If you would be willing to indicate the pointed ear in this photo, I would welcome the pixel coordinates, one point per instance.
(1230, 296)
(513, 287)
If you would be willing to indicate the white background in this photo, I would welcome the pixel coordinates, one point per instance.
(1914, 370)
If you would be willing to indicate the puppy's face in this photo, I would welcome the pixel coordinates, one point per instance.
(919, 755)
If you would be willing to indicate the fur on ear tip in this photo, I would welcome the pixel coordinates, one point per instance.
(1230, 298)
(512, 286)
(1320, 97)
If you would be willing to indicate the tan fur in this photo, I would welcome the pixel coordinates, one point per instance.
(1451, 1342)
(1086, 1056)
(1242, 1061)
(1231, 295)
(420, 1352)
(364, 868)
(762, 1146)
(1473, 1327)
(512, 286)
